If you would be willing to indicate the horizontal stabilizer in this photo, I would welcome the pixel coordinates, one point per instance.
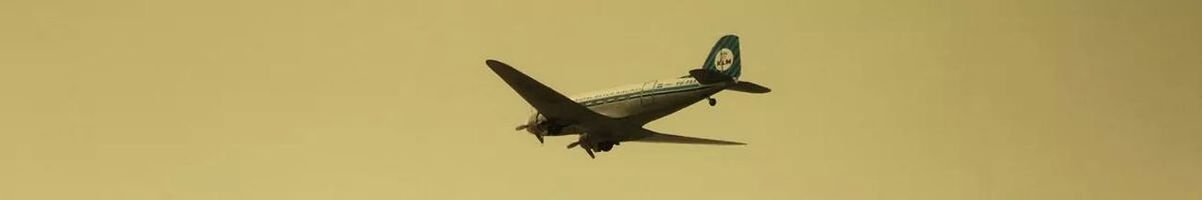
(709, 76)
(749, 87)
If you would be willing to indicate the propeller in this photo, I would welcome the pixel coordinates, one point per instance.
(581, 142)
(590, 153)
(536, 135)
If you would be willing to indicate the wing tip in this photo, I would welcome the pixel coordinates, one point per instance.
(732, 143)
(495, 64)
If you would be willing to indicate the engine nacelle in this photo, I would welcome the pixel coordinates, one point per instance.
(542, 126)
(606, 146)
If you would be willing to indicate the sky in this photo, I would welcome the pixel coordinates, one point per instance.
(370, 99)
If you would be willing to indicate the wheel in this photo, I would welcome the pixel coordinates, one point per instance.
(713, 101)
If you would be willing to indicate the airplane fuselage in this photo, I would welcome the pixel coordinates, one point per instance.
(635, 103)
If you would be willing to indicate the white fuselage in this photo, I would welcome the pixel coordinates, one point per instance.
(637, 103)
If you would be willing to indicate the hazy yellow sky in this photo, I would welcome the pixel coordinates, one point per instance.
(879, 99)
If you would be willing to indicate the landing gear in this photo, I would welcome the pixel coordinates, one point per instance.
(713, 101)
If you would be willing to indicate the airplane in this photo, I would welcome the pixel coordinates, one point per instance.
(608, 117)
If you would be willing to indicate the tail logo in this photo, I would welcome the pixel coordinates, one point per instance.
(724, 59)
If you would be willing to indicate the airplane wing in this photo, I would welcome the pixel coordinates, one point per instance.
(654, 137)
(550, 103)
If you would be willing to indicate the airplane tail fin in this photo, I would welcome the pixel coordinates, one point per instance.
(725, 64)
(724, 58)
